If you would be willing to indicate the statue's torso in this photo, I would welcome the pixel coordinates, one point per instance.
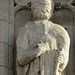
(43, 65)
(41, 32)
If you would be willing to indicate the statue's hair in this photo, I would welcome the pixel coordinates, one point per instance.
(42, 9)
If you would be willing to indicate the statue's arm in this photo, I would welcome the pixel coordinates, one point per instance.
(62, 54)
(25, 54)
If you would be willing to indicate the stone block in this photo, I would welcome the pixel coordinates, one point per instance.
(12, 10)
(10, 57)
(3, 70)
(11, 34)
(5, 8)
(11, 72)
(4, 31)
(4, 54)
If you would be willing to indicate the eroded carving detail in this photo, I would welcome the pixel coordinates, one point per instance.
(41, 36)
(42, 9)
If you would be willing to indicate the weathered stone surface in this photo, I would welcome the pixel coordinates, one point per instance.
(4, 54)
(11, 34)
(23, 2)
(11, 72)
(43, 31)
(6, 20)
(11, 57)
(4, 9)
(7, 32)
(4, 70)
(7, 10)
(4, 31)
(19, 69)
(67, 20)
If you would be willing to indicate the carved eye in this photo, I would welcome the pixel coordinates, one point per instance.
(29, 4)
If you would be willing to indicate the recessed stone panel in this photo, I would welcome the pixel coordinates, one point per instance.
(4, 54)
(4, 71)
(11, 57)
(11, 34)
(11, 72)
(4, 31)
(6, 10)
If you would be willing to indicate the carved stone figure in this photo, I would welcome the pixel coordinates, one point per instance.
(42, 46)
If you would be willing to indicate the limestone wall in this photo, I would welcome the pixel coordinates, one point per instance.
(6, 37)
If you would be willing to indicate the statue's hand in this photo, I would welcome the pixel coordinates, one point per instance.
(58, 62)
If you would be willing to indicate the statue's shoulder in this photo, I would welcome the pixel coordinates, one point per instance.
(57, 30)
(60, 29)
(57, 27)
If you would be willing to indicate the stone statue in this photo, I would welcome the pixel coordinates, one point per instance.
(43, 42)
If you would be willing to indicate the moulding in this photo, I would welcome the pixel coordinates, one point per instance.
(22, 2)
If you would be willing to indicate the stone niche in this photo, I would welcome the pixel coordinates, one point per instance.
(63, 16)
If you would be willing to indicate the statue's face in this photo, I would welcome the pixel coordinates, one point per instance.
(41, 9)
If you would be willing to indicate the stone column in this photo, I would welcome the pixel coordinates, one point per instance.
(6, 37)
(74, 44)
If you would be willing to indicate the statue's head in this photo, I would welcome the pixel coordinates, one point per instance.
(42, 9)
